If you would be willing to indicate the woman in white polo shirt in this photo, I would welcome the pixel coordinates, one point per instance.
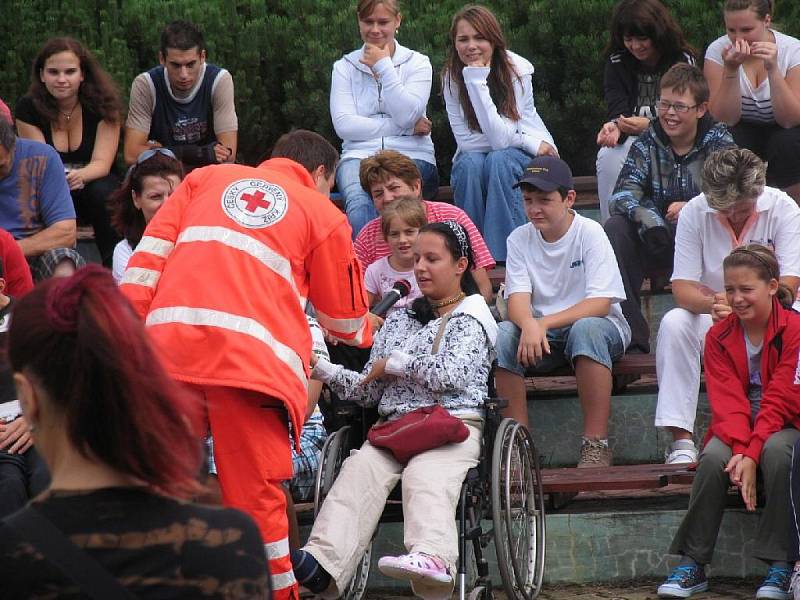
(735, 208)
(753, 73)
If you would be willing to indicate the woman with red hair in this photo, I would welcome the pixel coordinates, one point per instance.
(115, 433)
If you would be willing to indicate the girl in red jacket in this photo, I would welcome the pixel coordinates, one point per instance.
(753, 384)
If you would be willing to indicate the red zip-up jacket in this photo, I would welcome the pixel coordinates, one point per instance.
(728, 378)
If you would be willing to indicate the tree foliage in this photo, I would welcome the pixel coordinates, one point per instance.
(280, 53)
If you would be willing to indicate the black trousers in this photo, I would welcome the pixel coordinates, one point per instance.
(778, 146)
(635, 263)
(22, 476)
(91, 206)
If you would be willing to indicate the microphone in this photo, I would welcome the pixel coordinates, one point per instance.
(400, 289)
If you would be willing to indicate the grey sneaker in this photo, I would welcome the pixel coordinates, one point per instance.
(594, 453)
(684, 582)
(681, 452)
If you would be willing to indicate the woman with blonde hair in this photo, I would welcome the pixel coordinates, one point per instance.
(379, 94)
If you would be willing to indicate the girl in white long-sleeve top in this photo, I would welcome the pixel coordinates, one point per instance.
(488, 92)
(379, 94)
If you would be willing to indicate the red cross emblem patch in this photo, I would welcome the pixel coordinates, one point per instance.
(255, 203)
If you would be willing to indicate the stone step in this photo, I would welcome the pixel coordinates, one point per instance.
(612, 537)
(557, 424)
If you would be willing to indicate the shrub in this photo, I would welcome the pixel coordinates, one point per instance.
(280, 53)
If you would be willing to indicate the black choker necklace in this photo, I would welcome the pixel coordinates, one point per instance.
(443, 303)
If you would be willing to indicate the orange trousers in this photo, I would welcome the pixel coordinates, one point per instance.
(253, 458)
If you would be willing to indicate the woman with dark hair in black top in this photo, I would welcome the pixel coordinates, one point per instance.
(645, 42)
(74, 106)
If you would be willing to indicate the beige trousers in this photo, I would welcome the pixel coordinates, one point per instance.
(431, 484)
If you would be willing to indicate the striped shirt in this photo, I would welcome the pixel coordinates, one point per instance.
(757, 101)
(370, 245)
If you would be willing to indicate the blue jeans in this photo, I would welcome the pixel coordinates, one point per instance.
(358, 203)
(483, 188)
(593, 337)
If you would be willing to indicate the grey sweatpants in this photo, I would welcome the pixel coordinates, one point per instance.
(697, 534)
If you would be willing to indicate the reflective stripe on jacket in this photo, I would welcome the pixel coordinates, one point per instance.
(224, 270)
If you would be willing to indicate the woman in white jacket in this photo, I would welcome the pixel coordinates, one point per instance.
(488, 92)
(378, 98)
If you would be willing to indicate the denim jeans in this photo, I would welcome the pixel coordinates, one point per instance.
(358, 203)
(22, 476)
(483, 187)
(593, 337)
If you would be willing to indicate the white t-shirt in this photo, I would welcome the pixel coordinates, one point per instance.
(704, 238)
(122, 254)
(560, 274)
(757, 102)
(380, 277)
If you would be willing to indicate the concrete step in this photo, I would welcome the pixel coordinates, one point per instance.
(612, 538)
(557, 424)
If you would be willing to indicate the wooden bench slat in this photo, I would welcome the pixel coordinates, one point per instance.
(625, 477)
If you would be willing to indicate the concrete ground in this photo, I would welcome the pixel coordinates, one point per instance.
(721, 589)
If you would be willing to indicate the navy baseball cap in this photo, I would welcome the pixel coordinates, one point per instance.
(547, 173)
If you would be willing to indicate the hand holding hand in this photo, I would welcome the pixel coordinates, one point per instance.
(533, 344)
(75, 180)
(423, 126)
(15, 437)
(747, 476)
(222, 153)
(633, 125)
(373, 53)
(732, 469)
(673, 210)
(609, 135)
(733, 56)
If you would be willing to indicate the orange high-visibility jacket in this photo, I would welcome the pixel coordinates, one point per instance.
(224, 270)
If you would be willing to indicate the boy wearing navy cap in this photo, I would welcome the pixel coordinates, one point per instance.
(563, 289)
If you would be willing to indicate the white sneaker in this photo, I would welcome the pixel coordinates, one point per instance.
(794, 587)
(681, 452)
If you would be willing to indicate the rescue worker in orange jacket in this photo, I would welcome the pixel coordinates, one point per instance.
(222, 276)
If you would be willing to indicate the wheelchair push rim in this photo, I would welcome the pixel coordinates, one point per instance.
(518, 511)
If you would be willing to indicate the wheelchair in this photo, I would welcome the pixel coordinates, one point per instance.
(504, 488)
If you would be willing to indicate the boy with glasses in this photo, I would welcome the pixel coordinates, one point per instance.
(660, 175)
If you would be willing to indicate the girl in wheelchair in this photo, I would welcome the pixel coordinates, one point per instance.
(438, 352)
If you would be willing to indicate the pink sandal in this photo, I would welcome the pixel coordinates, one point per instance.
(416, 567)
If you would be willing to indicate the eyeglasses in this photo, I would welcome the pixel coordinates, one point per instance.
(664, 106)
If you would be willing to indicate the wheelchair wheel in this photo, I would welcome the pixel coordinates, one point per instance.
(332, 455)
(334, 451)
(518, 511)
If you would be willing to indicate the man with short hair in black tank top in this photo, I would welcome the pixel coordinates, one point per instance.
(185, 104)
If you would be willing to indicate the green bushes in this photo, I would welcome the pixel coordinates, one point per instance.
(280, 53)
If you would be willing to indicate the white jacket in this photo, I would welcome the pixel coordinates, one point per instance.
(379, 114)
(498, 132)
